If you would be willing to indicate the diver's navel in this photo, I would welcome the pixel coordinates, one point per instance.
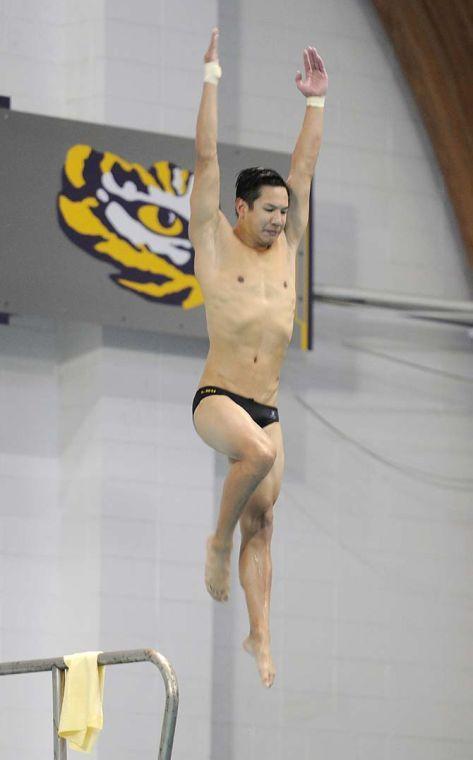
(241, 279)
(285, 284)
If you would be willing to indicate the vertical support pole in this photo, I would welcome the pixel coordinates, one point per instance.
(60, 747)
(310, 269)
(172, 702)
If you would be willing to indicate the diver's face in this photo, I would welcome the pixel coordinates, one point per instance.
(267, 219)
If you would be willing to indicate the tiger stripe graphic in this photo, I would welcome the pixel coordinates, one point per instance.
(134, 218)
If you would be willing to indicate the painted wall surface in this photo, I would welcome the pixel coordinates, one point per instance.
(95, 511)
(107, 496)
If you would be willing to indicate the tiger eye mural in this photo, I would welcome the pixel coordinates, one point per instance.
(134, 218)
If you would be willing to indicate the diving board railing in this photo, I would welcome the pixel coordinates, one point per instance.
(58, 666)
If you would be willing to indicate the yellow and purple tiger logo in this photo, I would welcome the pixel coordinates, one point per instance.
(134, 218)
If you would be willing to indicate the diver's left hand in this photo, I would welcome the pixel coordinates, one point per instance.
(316, 79)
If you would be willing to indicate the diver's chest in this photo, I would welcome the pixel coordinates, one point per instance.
(246, 294)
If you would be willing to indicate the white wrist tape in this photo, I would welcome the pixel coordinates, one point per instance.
(316, 100)
(212, 72)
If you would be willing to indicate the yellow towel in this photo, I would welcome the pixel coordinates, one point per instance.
(81, 713)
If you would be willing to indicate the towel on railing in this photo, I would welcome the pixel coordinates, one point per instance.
(81, 713)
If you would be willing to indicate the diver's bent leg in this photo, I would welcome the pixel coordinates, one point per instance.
(242, 479)
(226, 427)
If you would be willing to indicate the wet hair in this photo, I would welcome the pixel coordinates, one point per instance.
(250, 181)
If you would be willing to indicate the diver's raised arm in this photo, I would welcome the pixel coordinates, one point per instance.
(206, 190)
(304, 157)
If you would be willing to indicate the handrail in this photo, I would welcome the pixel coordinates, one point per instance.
(364, 297)
(58, 666)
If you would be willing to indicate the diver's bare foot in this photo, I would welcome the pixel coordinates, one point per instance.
(259, 649)
(217, 570)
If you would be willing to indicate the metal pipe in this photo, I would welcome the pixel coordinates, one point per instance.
(171, 687)
(60, 746)
(172, 701)
(57, 665)
(389, 300)
(31, 666)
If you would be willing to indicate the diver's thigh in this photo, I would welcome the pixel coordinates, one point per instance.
(270, 486)
(228, 428)
(274, 432)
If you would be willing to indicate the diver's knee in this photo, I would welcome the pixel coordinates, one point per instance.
(260, 455)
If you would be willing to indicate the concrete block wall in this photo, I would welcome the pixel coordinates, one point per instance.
(52, 57)
(107, 496)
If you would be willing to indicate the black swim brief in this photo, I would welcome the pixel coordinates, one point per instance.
(261, 413)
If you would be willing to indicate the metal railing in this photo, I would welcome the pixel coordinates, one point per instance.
(58, 666)
(359, 296)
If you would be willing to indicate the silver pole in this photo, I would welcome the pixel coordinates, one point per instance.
(60, 747)
(170, 685)
(172, 702)
(390, 300)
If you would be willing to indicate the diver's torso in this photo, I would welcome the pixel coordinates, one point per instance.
(249, 302)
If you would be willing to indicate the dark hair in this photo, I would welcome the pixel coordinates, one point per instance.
(250, 181)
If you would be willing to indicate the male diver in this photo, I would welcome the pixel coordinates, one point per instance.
(247, 276)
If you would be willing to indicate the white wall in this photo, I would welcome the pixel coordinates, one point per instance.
(107, 496)
(52, 57)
